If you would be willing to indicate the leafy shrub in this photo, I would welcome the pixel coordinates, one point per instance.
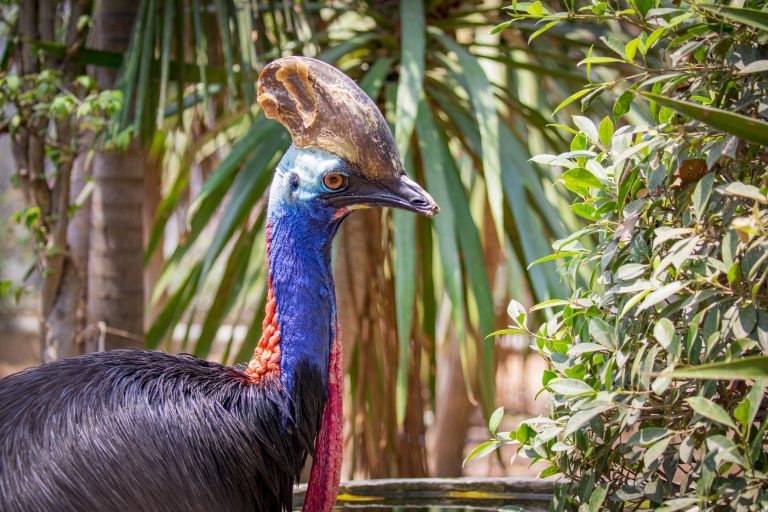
(671, 271)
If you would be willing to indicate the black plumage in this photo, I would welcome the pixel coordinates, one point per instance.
(134, 430)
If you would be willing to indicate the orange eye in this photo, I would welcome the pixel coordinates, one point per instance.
(334, 181)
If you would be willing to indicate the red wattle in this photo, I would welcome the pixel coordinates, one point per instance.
(324, 478)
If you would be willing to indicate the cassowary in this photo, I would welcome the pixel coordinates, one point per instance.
(136, 430)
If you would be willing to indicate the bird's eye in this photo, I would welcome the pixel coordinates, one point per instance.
(335, 181)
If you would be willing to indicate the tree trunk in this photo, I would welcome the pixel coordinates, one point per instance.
(116, 263)
(116, 281)
(59, 284)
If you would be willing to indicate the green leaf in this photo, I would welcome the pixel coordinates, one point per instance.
(231, 281)
(524, 433)
(404, 235)
(502, 332)
(481, 94)
(246, 189)
(710, 409)
(759, 66)
(542, 30)
(585, 348)
(744, 190)
(582, 417)
(755, 367)
(495, 420)
(481, 451)
(630, 271)
(666, 115)
(168, 17)
(570, 99)
(587, 127)
(605, 131)
(85, 56)
(174, 307)
(752, 17)
(433, 161)
(656, 450)
(597, 497)
(551, 303)
(411, 70)
(472, 254)
(601, 332)
(613, 43)
(551, 470)
(664, 332)
(660, 385)
(222, 7)
(570, 387)
(631, 49)
(501, 27)
(584, 210)
(753, 130)
(643, 6)
(623, 104)
(734, 273)
(536, 9)
(517, 313)
(661, 294)
(201, 52)
(753, 400)
(598, 60)
(555, 256)
(701, 194)
(655, 35)
(580, 180)
(725, 450)
(648, 436)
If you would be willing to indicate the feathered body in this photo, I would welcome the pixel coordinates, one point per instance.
(141, 430)
(146, 431)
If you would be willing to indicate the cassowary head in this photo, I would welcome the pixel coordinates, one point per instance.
(343, 155)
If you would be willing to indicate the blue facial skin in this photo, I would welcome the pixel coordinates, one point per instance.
(302, 228)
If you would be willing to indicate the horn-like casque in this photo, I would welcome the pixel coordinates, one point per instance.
(323, 108)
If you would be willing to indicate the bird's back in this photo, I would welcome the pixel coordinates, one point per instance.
(137, 430)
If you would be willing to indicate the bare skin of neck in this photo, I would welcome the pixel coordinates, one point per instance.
(266, 356)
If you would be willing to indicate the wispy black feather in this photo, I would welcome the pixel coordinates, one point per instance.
(134, 430)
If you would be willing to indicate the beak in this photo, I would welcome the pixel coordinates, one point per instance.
(397, 192)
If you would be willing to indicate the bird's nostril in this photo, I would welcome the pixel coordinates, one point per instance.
(418, 202)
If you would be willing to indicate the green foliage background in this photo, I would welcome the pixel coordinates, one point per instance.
(464, 107)
(679, 214)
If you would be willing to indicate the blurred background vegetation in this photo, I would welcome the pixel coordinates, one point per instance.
(656, 363)
(141, 164)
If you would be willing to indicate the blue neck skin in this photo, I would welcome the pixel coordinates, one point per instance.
(301, 231)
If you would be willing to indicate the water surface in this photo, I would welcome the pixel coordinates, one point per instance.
(442, 494)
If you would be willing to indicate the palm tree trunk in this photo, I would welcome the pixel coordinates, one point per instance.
(115, 286)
